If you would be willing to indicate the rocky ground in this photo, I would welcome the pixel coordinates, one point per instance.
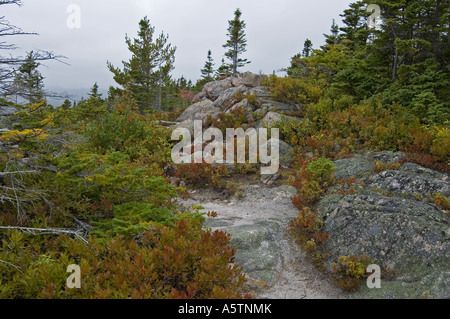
(407, 235)
(391, 217)
(258, 221)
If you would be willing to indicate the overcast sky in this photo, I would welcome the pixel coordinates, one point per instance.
(276, 31)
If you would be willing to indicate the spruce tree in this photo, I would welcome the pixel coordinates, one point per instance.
(224, 68)
(334, 37)
(94, 92)
(236, 43)
(146, 74)
(355, 32)
(307, 48)
(208, 69)
(66, 104)
(28, 81)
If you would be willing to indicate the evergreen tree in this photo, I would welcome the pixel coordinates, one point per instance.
(208, 69)
(94, 92)
(236, 43)
(355, 32)
(66, 104)
(146, 74)
(28, 81)
(334, 37)
(224, 68)
(307, 48)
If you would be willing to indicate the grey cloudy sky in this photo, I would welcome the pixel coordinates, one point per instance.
(276, 30)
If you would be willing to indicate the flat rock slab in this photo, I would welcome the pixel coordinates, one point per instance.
(412, 180)
(408, 237)
(258, 222)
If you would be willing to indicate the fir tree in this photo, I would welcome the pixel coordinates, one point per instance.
(28, 81)
(236, 43)
(94, 92)
(208, 69)
(355, 32)
(66, 104)
(307, 48)
(224, 68)
(146, 74)
(333, 38)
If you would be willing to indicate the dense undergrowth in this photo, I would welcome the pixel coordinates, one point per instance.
(103, 170)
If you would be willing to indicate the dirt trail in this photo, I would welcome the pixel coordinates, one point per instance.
(258, 221)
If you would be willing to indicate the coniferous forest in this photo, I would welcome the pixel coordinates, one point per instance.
(92, 183)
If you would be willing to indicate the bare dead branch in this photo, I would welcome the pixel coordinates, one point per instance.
(12, 265)
(47, 231)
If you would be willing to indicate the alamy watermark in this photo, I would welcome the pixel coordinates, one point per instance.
(375, 18)
(374, 279)
(186, 151)
(74, 19)
(74, 280)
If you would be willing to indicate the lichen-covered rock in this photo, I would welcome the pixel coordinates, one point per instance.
(227, 96)
(286, 156)
(257, 251)
(198, 110)
(409, 237)
(387, 156)
(356, 166)
(276, 106)
(412, 180)
(270, 119)
(261, 92)
(245, 105)
(252, 80)
(212, 90)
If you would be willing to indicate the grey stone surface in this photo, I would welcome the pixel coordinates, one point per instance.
(412, 180)
(353, 167)
(257, 251)
(270, 119)
(387, 156)
(227, 96)
(198, 110)
(258, 223)
(252, 80)
(408, 237)
(278, 106)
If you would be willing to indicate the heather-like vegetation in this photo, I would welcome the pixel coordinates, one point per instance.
(90, 183)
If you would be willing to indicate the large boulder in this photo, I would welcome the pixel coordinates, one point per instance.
(392, 220)
(227, 96)
(412, 180)
(410, 238)
(243, 104)
(276, 106)
(357, 166)
(252, 80)
(213, 90)
(198, 110)
(261, 92)
(5, 117)
(270, 119)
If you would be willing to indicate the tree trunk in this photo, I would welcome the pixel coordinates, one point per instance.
(394, 67)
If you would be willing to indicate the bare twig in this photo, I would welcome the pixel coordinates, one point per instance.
(9, 264)
(18, 172)
(44, 231)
